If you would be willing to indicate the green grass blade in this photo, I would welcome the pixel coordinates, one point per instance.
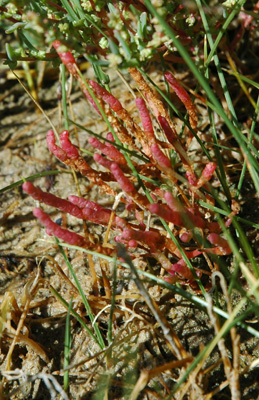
(244, 78)
(244, 243)
(69, 9)
(217, 64)
(67, 347)
(74, 313)
(242, 176)
(221, 173)
(32, 177)
(84, 299)
(234, 12)
(226, 213)
(64, 96)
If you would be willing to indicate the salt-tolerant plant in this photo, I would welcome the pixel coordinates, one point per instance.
(180, 210)
(184, 213)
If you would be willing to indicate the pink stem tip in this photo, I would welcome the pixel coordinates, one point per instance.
(145, 118)
(184, 97)
(51, 200)
(159, 156)
(106, 96)
(122, 180)
(54, 229)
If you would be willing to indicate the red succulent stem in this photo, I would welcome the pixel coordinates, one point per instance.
(106, 96)
(160, 157)
(184, 97)
(54, 229)
(145, 118)
(110, 151)
(52, 200)
(171, 136)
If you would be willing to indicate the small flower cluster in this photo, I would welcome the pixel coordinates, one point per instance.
(154, 196)
(122, 33)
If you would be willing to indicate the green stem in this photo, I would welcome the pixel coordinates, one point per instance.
(64, 96)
